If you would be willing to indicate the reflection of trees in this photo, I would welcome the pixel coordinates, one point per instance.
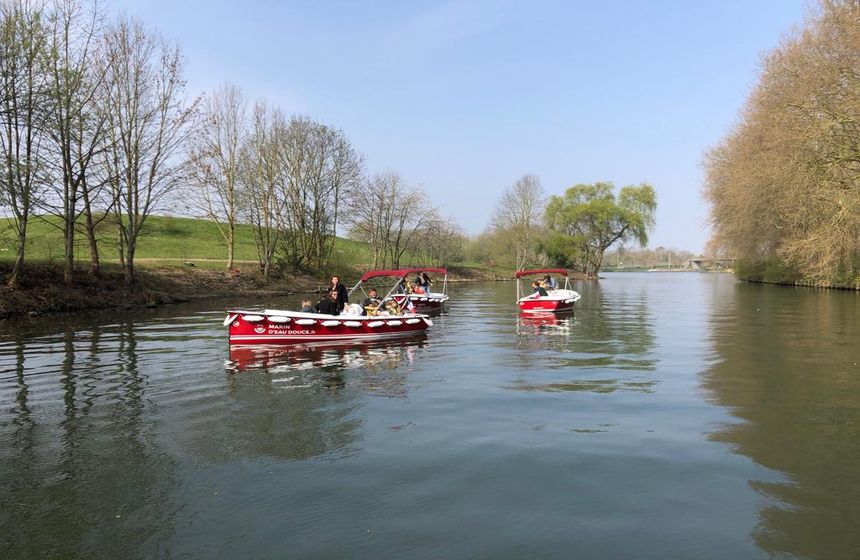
(82, 471)
(788, 368)
(299, 401)
(605, 334)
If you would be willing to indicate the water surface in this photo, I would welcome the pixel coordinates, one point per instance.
(672, 416)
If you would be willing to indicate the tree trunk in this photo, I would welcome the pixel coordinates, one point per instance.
(91, 236)
(18, 268)
(128, 266)
(231, 243)
(69, 252)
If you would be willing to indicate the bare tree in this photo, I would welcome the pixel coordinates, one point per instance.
(319, 168)
(147, 119)
(370, 213)
(442, 240)
(75, 126)
(215, 160)
(260, 175)
(518, 214)
(23, 95)
(389, 215)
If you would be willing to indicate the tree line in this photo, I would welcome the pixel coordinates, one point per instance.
(572, 230)
(99, 131)
(784, 184)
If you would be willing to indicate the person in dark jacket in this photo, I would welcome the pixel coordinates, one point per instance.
(328, 304)
(342, 297)
(539, 290)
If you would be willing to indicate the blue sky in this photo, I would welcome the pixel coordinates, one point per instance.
(464, 97)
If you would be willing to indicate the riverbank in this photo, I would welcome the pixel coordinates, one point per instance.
(42, 289)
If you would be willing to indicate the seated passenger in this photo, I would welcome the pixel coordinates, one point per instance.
(328, 304)
(392, 307)
(370, 304)
(549, 283)
(417, 289)
(307, 307)
(539, 291)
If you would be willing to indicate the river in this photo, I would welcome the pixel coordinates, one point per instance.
(674, 415)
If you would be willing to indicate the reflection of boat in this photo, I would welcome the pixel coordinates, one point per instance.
(540, 318)
(429, 302)
(544, 322)
(557, 299)
(321, 355)
(273, 326)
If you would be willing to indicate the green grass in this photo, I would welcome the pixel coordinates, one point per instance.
(164, 241)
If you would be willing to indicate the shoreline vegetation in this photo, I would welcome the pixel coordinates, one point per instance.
(44, 291)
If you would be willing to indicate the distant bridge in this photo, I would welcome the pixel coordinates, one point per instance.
(704, 264)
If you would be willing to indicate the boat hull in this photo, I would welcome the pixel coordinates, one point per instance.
(285, 327)
(557, 301)
(542, 305)
(429, 303)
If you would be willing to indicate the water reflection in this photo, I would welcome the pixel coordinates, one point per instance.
(613, 350)
(326, 356)
(545, 323)
(786, 366)
(91, 452)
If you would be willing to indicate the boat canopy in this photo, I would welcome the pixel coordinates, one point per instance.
(521, 273)
(400, 273)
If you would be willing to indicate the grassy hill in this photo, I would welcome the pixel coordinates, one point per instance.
(164, 241)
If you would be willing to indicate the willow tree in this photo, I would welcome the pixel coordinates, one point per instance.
(590, 219)
(784, 185)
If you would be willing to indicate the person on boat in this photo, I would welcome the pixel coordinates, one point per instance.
(400, 288)
(392, 307)
(549, 283)
(539, 291)
(342, 296)
(417, 289)
(426, 282)
(371, 302)
(329, 304)
(308, 307)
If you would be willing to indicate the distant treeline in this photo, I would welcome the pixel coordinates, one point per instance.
(99, 133)
(784, 185)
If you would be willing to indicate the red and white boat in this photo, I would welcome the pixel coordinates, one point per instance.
(276, 326)
(425, 303)
(556, 300)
